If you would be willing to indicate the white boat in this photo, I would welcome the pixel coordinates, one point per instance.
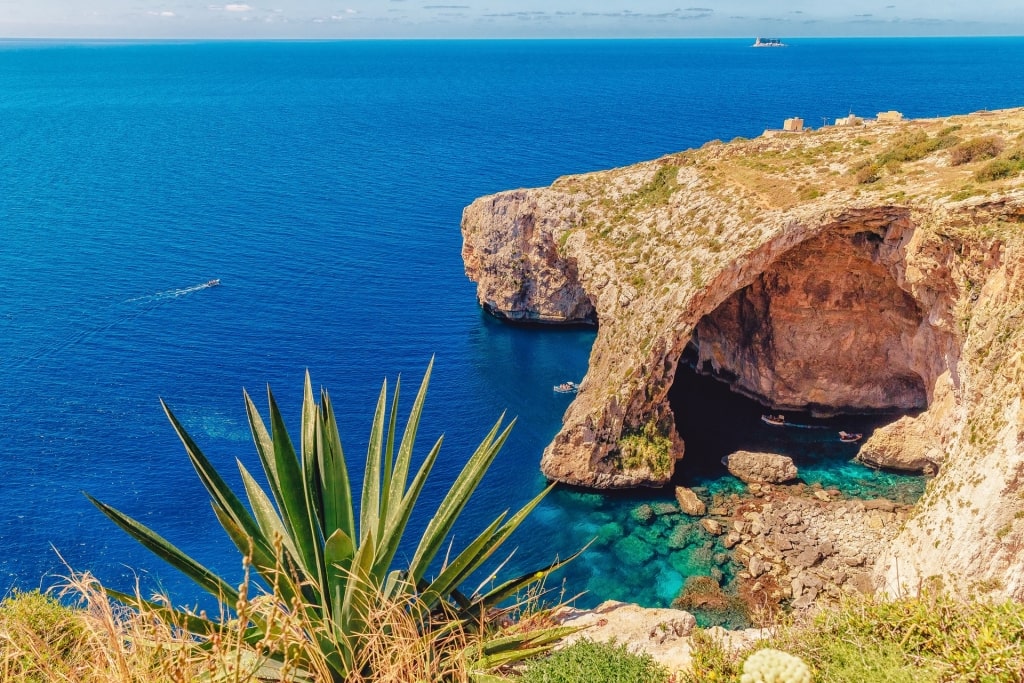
(567, 388)
(774, 420)
(850, 437)
(213, 283)
(768, 42)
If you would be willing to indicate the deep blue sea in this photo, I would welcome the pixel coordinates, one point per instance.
(323, 184)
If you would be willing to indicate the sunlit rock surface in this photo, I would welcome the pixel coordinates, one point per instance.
(847, 269)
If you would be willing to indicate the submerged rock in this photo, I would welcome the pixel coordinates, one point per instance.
(689, 502)
(761, 467)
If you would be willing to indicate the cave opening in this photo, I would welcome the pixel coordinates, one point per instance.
(824, 335)
(714, 420)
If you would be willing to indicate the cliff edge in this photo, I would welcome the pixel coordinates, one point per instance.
(861, 269)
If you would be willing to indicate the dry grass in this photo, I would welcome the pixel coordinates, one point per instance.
(97, 640)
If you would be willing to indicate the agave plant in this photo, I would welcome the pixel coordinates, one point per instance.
(323, 559)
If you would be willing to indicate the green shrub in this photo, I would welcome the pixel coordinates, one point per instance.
(925, 639)
(647, 447)
(998, 169)
(39, 637)
(711, 661)
(977, 149)
(591, 662)
(659, 189)
(915, 146)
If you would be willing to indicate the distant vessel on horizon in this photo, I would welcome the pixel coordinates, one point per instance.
(768, 42)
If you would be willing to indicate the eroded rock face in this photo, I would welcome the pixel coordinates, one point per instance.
(514, 260)
(903, 445)
(840, 298)
(761, 468)
(825, 328)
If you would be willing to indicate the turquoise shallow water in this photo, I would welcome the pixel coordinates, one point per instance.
(323, 183)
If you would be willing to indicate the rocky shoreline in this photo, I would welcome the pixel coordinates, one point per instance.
(797, 547)
(865, 268)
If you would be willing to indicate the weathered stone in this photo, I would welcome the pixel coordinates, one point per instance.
(731, 539)
(902, 445)
(761, 467)
(756, 566)
(862, 582)
(852, 300)
(855, 561)
(883, 504)
(689, 502)
(659, 632)
(807, 558)
(712, 526)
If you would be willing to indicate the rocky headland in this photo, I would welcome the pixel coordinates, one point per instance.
(853, 269)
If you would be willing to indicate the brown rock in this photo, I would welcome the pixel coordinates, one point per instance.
(712, 526)
(883, 504)
(761, 467)
(807, 558)
(907, 444)
(689, 502)
(899, 295)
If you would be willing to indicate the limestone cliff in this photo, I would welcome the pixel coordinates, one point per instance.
(853, 269)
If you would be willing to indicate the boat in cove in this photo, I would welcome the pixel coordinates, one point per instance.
(774, 420)
(567, 388)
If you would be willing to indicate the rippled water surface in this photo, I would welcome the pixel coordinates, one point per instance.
(323, 184)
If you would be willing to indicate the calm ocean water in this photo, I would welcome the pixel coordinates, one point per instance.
(323, 184)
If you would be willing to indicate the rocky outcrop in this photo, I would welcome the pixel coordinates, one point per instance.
(808, 285)
(903, 445)
(760, 468)
(664, 634)
(689, 502)
(520, 275)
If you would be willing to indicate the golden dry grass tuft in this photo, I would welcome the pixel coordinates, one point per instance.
(80, 635)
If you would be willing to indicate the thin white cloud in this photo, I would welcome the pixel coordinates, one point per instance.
(164, 13)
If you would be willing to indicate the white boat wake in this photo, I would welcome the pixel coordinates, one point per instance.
(174, 293)
(109, 317)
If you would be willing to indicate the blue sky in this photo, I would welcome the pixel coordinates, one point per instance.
(503, 18)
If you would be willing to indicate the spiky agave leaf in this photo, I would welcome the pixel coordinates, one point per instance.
(305, 540)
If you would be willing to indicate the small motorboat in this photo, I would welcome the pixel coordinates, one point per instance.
(775, 420)
(567, 388)
(213, 283)
(850, 437)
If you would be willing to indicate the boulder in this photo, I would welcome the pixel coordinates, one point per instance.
(754, 467)
(712, 526)
(689, 502)
(907, 445)
(662, 633)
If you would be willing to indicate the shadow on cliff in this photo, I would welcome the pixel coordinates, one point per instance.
(715, 421)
